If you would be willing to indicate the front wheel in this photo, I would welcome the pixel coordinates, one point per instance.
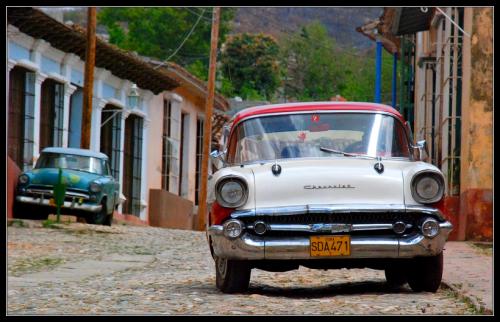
(231, 276)
(98, 218)
(425, 273)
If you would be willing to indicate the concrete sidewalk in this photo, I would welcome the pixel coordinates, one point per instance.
(469, 272)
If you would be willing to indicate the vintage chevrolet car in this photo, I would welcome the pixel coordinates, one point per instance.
(325, 185)
(91, 190)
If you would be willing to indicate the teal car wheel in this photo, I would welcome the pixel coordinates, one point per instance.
(98, 218)
(109, 220)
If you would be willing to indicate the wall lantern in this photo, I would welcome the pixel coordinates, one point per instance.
(133, 96)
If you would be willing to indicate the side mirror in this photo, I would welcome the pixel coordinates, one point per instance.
(217, 158)
(423, 150)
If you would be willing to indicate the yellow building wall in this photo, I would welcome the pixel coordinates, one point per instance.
(476, 180)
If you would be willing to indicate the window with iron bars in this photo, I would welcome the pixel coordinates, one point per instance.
(21, 117)
(111, 137)
(132, 165)
(166, 146)
(199, 157)
(52, 114)
(447, 100)
(170, 158)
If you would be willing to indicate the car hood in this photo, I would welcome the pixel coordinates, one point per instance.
(329, 181)
(72, 178)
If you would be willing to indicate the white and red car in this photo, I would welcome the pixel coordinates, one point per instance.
(325, 185)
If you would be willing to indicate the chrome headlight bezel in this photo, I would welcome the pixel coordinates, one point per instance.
(95, 187)
(23, 179)
(430, 227)
(231, 179)
(417, 178)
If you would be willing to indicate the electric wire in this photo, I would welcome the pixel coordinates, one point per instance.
(182, 43)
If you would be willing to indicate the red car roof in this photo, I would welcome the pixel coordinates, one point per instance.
(314, 106)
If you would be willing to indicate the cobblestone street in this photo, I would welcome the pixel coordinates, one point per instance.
(87, 269)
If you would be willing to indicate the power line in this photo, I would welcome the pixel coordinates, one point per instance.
(197, 14)
(182, 43)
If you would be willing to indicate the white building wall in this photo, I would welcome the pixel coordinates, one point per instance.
(154, 165)
(189, 167)
(46, 61)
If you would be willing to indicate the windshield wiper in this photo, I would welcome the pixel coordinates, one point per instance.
(347, 154)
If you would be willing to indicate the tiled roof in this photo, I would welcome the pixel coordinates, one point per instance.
(197, 86)
(72, 39)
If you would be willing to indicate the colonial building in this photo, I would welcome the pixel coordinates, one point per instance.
(147, 120)
(446, 92)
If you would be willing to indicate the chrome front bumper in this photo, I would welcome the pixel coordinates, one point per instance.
(67, 204)
(251, 247)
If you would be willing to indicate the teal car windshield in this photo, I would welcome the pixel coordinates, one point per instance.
(71, 161)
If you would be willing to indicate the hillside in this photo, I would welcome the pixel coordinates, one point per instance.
(341, 22)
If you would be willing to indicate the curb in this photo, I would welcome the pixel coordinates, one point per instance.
(472, 300)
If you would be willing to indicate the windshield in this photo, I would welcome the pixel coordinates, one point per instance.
(73, 162)
(313, 134)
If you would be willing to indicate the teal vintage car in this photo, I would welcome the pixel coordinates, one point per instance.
(91, 191)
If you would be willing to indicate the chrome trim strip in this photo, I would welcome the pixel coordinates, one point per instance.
(51, 192)
(331, 209)
(249, 247)
(67, 204)
(361, 227)
(327, 228)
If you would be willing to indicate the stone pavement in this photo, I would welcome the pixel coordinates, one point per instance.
(89, 269)
(469, 272)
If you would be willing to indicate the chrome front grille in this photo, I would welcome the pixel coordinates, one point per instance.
(339, 218)
(352, 223)
(48, 192)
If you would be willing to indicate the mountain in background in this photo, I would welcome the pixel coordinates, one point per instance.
(341, 22)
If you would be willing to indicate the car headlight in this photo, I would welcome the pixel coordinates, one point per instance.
(24, 179)
(427, 187)
(95, 187)
(231, 192)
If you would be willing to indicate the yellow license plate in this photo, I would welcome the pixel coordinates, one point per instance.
(52, 202)
(327, 246)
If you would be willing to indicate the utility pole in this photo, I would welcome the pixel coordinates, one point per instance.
(207, 126)
(88, 86)
(378, 72)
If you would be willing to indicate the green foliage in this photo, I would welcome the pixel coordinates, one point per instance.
(312, 64)
(198, 69)
(17, 223)
(318, 69)
(48, 223)
(227, 88)
(251, 63)
(158, 32)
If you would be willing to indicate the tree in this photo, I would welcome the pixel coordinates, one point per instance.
(251, 63)
(312, 62)
(317, 69)
(159, 32)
